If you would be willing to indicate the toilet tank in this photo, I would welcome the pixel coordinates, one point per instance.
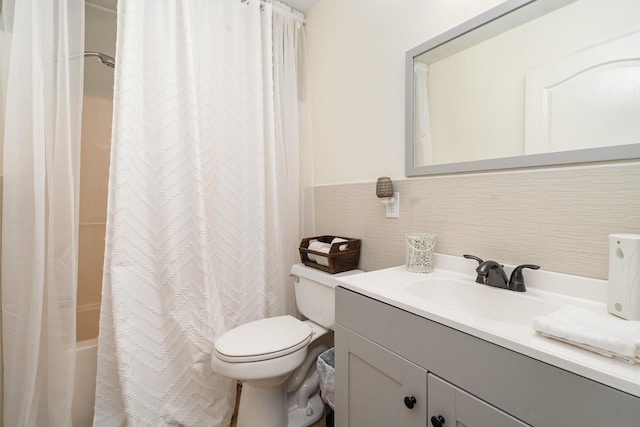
(315, 293)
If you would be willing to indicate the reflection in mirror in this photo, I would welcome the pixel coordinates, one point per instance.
(528, 83)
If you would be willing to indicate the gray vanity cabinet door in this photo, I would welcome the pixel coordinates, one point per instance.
(372, 384)
(460, 409)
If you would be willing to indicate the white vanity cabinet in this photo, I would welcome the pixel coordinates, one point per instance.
(385, 354)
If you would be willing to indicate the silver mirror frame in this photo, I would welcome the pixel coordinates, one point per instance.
(517, 11)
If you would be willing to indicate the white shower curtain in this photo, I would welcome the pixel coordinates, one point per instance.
(204, 201)
(292, 127)
(40, 207)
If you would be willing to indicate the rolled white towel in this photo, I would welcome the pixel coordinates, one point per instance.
(599, 332)
(315, 245)
(339, 240)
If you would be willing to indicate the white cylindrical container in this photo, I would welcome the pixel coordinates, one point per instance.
(623, 291)
(420, 248)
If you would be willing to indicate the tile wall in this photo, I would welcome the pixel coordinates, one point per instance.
(94, 179)
(558, 218)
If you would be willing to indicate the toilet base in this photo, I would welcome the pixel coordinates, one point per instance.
(265, 407)
(262, 406)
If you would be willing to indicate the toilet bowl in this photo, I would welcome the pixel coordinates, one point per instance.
(275, 358)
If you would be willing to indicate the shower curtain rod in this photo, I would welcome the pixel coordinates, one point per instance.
(281, 7)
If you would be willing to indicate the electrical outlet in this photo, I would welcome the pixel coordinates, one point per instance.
(393, 209)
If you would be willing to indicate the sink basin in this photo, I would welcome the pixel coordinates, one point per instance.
(482, 301)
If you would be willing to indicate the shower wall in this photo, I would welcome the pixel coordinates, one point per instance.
(100, 35)
(94, 173)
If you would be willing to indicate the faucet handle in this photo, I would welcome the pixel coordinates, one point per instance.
(516, 282)
(479, 278)
(480, 261)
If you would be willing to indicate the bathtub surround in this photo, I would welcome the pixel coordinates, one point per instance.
(97, 108)
(40, 209)
(558, 218)
(205, 197)
(94, 177)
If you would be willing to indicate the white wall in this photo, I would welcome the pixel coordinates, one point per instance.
(356, 59)
(357, 50)
(557, 217)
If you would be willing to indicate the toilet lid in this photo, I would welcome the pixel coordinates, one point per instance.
(263, 339)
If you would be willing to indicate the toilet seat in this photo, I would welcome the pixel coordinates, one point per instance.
(263, 339)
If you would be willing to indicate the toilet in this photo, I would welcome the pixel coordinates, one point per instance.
(275, 358)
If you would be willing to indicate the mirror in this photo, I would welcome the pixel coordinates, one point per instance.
(527, 83)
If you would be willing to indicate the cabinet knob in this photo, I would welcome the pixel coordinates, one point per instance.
(437, 421)
(409, 401)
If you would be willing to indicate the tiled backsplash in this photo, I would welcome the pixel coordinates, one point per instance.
(558, 218)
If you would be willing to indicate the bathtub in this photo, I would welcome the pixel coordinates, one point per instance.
(85, 383)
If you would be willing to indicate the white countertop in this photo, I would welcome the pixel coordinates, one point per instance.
(390, 286)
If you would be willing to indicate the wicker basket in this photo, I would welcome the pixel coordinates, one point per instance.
(341, 257)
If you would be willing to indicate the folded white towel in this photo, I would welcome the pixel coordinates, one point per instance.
(602, 333)
(630, 360)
